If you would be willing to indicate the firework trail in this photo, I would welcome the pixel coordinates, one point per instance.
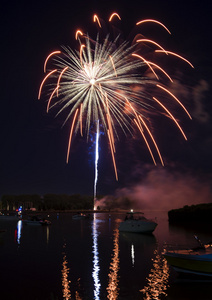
(106, 82)
(96, 162)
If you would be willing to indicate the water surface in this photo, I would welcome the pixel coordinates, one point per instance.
(91, 259)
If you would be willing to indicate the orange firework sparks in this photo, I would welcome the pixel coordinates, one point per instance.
(163, 88)
(172, 117)
(153, 21)
(104, 82)
(77, 33)
(96, 19)
(112, 153)
(147, 62)
(59, 78)
(152, 42)
(162, 70)
(51, 96)
(141, 131)
(113, 15)
(81, 50)
(71, 133)
(177, 55)
(156, 146)
(51, 54)
(42, 83)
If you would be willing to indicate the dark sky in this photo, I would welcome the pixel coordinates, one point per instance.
(33, 143)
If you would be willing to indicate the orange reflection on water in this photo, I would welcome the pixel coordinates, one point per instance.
(157, 279)
(112, 288)
(77, 295)
(65, 282)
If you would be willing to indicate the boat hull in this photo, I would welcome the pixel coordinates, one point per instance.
(192, 264)
(34, 223)
(9, 218)
(137, 226)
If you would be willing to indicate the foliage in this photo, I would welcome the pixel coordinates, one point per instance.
(197, 213)
(47, 202)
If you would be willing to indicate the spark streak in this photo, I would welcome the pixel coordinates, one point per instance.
(163, 88)
(42, 83)
(71, 133)
(173, 118)
(153, 21)
(114, 14)
(175, 54)
(152, 42)
(95, 18)
(51, 54)
(77, 33)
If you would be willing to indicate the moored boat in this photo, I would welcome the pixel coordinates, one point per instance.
(136, 222)
(9, 217)
(195, 261)
(37, 221)
(80, 216)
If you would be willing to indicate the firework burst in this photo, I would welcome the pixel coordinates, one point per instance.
(104, 82)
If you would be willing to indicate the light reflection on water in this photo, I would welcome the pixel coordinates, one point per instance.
(109, 264)
(65, 281)
(157, 280)
(133, 254)
(114, 267)
(47, 234)
(19, 227)
(96, 267)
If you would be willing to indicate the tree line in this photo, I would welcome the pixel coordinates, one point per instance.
(47, 202)
(199, 213)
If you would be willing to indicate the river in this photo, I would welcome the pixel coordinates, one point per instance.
(91, 259)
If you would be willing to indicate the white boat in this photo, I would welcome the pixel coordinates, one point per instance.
(136, 222)
(195, 261)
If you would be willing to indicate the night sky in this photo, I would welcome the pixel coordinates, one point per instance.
(34, 143)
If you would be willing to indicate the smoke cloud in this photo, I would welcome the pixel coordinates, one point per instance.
(160, 190)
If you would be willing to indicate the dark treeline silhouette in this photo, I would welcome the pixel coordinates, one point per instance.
(47, 202)
(194, 213)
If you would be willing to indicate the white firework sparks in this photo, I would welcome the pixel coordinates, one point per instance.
(103, 82)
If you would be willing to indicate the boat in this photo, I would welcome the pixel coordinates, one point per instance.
(136, 222)
(80, 216)
(194, 261)
(37, 221)
(9, 217)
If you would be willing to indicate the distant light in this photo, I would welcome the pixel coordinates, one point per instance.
(131, 210)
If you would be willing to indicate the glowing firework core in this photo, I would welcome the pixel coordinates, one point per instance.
(92, 81)
(90, 72)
